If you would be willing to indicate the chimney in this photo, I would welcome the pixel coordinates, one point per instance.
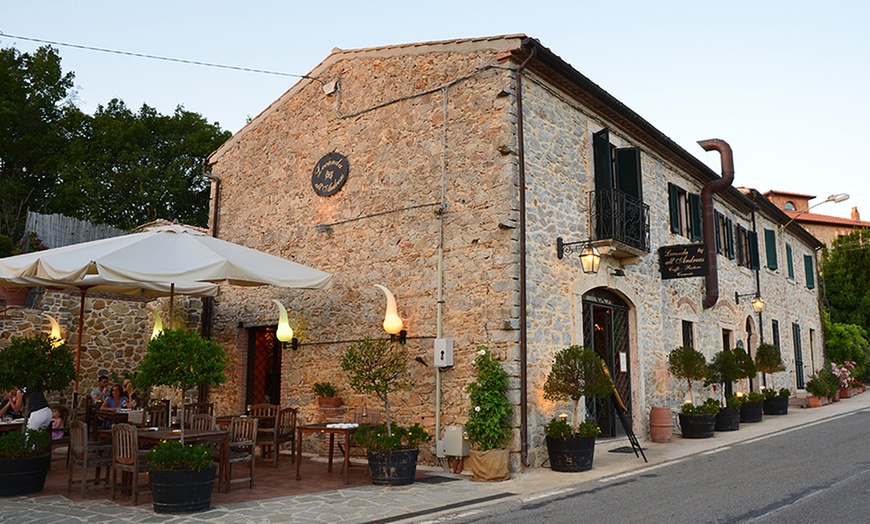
(856, 217)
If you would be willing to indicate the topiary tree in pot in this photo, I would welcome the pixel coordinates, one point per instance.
(488, 426)
(577, 373)
(768, 360)
(380, 366)
(183, 360)
(689, 364)
(723, 370)
(752, 407)
(35, 364)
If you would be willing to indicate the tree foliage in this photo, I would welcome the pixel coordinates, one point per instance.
(35, 362)
(845, 270)
(116, 167)
(183, 359)
(577, 372)
(489, 421)
(847, 343)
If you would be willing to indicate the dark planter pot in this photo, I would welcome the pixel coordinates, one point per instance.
(752, 412)
(182, 490)
(21, 476)
(393, 468)
(571, 454)
(728, 419)
(777, 405)
(697, 426)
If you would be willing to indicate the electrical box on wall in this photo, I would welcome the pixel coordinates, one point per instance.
(454, 444)
(443, 356)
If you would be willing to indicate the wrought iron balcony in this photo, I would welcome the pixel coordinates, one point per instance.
(622, 220)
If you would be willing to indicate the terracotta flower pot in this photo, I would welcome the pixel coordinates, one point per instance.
(815, 402)
(661, 424)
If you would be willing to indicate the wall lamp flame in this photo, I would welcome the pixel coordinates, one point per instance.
(284, 333)
(757, 303)
(158, 325)
(54, 334)
(392, 322)
(590, 258)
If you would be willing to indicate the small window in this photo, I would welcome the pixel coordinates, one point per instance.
(770, 248)
(747, 248)
(685, 213)
(774, 327)
(789, 206)
(688, 333)
(810, 271)
(726, 340)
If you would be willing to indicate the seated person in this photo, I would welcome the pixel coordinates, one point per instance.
(99, 393)
(58, 418)
(116, 400)
(12, 404)
(131, 394)
(36, 408)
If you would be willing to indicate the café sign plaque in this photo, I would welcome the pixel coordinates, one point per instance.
(683, 261)
(330, 174)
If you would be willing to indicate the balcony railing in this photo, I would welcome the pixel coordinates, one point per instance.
(620, 217)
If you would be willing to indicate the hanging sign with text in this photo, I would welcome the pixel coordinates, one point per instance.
(687, 260)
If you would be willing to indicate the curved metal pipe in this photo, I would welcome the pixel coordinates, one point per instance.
(708, 215)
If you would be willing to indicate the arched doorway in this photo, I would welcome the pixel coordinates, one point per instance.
(605, 329)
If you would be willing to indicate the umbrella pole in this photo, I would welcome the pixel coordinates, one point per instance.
(172, 305)
(79, 349)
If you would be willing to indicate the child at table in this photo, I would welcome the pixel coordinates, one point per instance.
(58, 415)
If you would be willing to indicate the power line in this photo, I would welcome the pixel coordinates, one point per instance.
(153, 57)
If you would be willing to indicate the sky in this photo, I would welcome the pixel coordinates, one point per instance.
(783, 82)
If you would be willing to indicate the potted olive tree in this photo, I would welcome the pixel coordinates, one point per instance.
(768, 360)
(38, 364)
(182, 477)
(380, 366)
(577, 373)
(689, 364)
(723, 370)
(489, 421)
(752, 407)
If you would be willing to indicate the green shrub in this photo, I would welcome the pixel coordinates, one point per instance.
(559, 428)
(171, 454)
(19, 444)
(488, 425)
(709, 407)
(377, 438)
(323, 389)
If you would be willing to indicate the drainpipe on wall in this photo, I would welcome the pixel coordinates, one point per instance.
(208, 302)
(521, 159)
(709, 217)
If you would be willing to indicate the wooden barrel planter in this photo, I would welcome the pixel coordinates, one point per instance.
(571, 454)
(20, 476)
(752, 412)
(697, 426)
(777, 405)
(393, 468)
(728, 419)
(182, 490)
(661, 424)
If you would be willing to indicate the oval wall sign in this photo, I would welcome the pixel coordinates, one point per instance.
(330, 174)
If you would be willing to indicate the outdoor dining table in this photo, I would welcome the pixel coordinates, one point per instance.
(156, 435)
(333, 430)
(11, 425)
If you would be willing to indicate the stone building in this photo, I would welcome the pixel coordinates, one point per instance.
(826, 228)
(452, 172)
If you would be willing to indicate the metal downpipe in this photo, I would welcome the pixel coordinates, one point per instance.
(521, 160)
(709, 216)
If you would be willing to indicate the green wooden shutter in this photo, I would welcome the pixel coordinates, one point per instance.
(718, 230)
(754, 262)
(729, 237)
(602, 160)
(810, 271)
(770, 248)
(789, 260)
(674, 205)
(628, 172)
(741, 256)
(695, 217)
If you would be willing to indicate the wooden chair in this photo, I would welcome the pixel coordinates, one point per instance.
(127, 458)
(243, 434)
(265, 413)
(158, 414)
(202, 422)
(197, 408)
(86, 455)
(284, 431)
(363, 417)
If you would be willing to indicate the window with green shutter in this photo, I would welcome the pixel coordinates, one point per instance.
(810, 270)
(696, 229)
(789, 261)
(770, 248)
(754, 262)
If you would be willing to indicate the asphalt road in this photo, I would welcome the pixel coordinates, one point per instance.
(818, 473)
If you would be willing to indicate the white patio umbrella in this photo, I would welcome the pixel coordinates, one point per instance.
(159, 261)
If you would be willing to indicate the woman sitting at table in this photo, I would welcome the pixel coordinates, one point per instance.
(116, 399)
(12, 404)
